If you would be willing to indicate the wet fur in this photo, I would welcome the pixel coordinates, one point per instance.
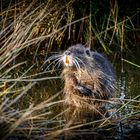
(89, 78)
(97, 77)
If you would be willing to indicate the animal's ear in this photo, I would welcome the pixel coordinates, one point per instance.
(88, 51)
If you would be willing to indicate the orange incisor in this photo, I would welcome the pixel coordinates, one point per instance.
(67, 60)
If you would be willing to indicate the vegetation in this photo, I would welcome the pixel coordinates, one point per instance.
(30, 31)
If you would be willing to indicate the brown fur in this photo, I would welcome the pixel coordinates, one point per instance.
(94, 73)
(90, 79)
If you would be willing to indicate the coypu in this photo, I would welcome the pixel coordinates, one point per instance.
(89, 77)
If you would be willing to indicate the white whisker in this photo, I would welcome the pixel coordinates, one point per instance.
(51, 58)
(81, 61)
(58, 63)
(76, 63)
(52, 63)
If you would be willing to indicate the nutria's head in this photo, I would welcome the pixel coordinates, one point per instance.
(74, 56)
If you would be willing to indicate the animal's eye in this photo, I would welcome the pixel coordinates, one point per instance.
(88, 52)
(67, 52)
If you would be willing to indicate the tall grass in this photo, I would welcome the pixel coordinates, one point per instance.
(29, 32)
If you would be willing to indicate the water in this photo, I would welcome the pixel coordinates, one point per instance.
(128, 83)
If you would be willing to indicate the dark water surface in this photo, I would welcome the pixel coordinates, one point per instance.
(128, 84)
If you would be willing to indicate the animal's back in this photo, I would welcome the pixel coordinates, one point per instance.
(104, 64)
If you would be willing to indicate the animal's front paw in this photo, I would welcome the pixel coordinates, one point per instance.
(84, 90)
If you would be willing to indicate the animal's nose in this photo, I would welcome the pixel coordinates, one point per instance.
(67, 52)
